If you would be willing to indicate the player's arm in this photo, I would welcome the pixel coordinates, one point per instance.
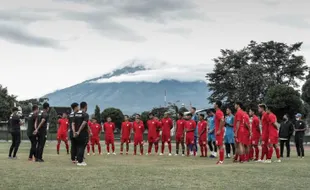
(222, 123)
(237, 127)
(84, 124)
(204, 129)
(40, 125)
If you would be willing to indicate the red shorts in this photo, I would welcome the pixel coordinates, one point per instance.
(219, 139)
(179, 138)
(95, 140)
(152, 139)
(245, 139)
(255, 141)
(62, 136)
(125, 140)
(265, 141)
(202, 141)
(166, 138)
(273, 140)
(138, 140)
(190, 140)
(109, 140)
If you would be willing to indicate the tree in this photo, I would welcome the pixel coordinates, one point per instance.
(159, 112)
(115, 114)
(53, 118)
(247, 74)
(97, 113)
(306, 91)
(183, 110)
(145, 117)
(6, 103)
(284, 99)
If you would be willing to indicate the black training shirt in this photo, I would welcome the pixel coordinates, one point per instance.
(300, 125)
(14, 123)
(79, 118)
(31, 123)
(43, 115)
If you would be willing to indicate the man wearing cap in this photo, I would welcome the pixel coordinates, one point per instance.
(14, 124)
(300, 128)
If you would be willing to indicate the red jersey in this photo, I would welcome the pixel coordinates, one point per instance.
(95, 129)
(152, 125)
(166, 125)
(138, 128)
(265, 124)
(190, 125)
(126, 128)
(219, 115)
(109, 128)
(202, 126)
(63, 125)
(180, 127)
(273, 130)
(246, 123)
(255, 126)
(238, 117)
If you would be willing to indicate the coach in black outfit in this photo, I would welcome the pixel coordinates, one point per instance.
(32, 125)
(300, 128)
(285, 133)
(41, 131)
(75, 109)
(14, 125)
(80, 132)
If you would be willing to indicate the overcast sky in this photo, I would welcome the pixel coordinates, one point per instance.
(51, 44)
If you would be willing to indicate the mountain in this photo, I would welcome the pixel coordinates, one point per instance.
(134, 88)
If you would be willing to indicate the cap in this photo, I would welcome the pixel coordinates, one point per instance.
(298, 115)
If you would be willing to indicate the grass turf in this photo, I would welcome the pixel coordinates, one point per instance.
(146, 172)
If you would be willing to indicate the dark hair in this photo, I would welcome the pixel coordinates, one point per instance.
(65, 113)
(219, 104)
(151, 114)
(181, 114)
(35, 107)
(14, 109)
(189, 114)
(83, 105)
(194, 108)
(138, 115)
(240, 104)
(46, 105)
(253, 109)
(74, 105)
(262, 106)
(109, 117)
(270, 107)
(126, 116)
(202, 115)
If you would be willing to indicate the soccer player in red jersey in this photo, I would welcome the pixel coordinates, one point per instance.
(179, 137)
(158, 130)
(138, 128)
(62, 133)
(109, 128)
(273, 136)
(190, 127)
(152, 124)
(238, 130)
(219, 130)
(202, 132)
(125, 134)
(96, 129)
(245, 139)
(265, 131)
(255, 135)
(166, 136)
(89, 124)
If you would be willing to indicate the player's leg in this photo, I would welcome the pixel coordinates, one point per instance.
(122, 146)
(93, 142)
(163, 140)
(99, 146)
(12, 145)
(210, 148)
(264, 148)
(88, 147)
(17, 143)
(177, 145)
(58, 143)
(288, 148)
(227, 146)
(156, 146)
(201, 148)
(169, 146)
(282, 147)
(65, 139)
(135, 147)
(127, 146)
(215, 148)
(297, 145)
(150, 140)
(107, 146)
(277, 149)
(141, 147)
(73, 150)
(270, 153)
(183, 146)
(301, 143)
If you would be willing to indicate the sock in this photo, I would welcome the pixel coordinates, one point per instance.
(264, 152)
(222, 154)
(195, 153)
(122, 147)
(256, 152)
(278, 152)
(99, 148)
(113, 148)
(177, 151)
(156, 148)
(141, 149)
(150, 148)
(205, 150)
(201, 150)
(67, 146)
(162, 148)
(93, 148)
(251, 153)
(246, 157)
(270, 152)
(183, 151)
(135, 150)
(236, 157)
(169, 147)
(88, 148)
(187, 151)
(108, 148)
(58, 146)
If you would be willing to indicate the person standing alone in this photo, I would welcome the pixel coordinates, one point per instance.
(285, 133)
(14, 124)
(300, 128)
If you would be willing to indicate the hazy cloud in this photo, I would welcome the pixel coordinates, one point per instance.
(21, 36)
(184, 32)
(25, 17)
(296, 21)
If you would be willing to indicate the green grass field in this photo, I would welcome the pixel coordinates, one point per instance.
(146, 172)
